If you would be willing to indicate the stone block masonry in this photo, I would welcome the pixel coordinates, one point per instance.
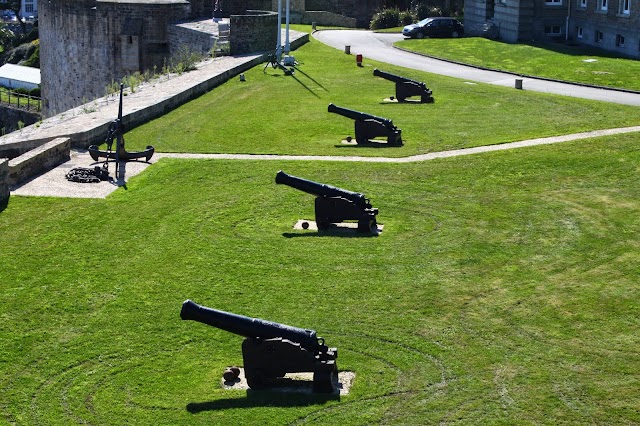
(4, 183)
(39, 160)
(253, 32)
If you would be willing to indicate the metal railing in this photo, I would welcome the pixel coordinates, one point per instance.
(19, 100)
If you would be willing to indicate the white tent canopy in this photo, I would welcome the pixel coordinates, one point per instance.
(19, 77)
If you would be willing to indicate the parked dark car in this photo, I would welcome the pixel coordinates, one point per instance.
(434, 27)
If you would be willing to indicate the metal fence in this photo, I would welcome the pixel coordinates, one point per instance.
(18, 100)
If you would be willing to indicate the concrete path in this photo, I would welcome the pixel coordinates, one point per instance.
(54, 183)
(375, 46)
(379, 46)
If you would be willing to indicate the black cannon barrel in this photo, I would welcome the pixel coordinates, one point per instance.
(394, 77)
(357, 115)
(250, 327)
(319, 189)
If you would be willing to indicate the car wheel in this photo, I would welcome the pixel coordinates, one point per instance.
(455, 34)
(420, 35)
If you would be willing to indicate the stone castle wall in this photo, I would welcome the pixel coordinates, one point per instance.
(88, 44)
(253, 32)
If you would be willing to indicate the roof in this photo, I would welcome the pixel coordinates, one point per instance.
(20, 73)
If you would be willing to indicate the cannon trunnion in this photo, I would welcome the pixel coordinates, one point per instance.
(369, 126)
(334, 205)
(271, 350)
(406, 87)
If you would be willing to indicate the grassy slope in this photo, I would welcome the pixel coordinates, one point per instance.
(275, 114)
(502, 291)
(569, 63)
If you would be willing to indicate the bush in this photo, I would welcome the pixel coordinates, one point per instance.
(423, 10)
(385, 18)
(407, 17)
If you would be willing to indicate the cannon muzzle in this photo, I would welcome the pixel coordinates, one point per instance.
(319, 189)
(251, 327)
(359, 116)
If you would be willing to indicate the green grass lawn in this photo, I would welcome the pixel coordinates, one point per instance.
(503, 290)
(556, 61)
(271, 113)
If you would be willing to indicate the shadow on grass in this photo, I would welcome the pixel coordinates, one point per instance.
(574, 49)
(262, 399)
(310, 78)
(3, 204)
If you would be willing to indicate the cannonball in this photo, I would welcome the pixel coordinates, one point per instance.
(305, 225)
(392, 98)
(348, 138)
(230, 374)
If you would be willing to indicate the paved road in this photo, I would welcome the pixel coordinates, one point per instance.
(380, 48)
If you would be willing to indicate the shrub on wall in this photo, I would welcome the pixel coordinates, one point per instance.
(385, 18)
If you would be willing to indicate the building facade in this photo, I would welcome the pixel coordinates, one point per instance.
(609, 24)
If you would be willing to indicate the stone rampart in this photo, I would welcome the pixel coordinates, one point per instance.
(193, 39)
(88, 44)
(328, 19)
(253, 32)
(148, 102)
(296, 10)
(4, 183)
(10, 117)
(38, 160)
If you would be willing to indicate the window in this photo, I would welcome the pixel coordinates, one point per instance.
(582, 3)
(552, 29)
(624, 7)
(28, 7)
(553, 2)
(599, 36)
(603, 5)
(619, 40)
(579, 32)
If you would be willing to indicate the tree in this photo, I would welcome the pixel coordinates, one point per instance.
(16, 7)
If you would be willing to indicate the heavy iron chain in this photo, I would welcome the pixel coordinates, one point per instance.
(86, 175)
(97, 174)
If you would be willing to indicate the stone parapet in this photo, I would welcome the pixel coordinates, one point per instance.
(253, 32)
(328, 19)
(38, 160)
(200, 37)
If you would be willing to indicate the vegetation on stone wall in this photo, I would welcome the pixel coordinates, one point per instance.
(19, 48)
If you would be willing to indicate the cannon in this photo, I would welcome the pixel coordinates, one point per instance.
(405, 87)
(271, 350)
(369, 126)
(334, 205)
(116, 131)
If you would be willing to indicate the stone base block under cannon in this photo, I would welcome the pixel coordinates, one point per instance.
(369, 127)
(272, 350)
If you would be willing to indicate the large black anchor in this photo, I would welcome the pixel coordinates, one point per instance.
(116, 132)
